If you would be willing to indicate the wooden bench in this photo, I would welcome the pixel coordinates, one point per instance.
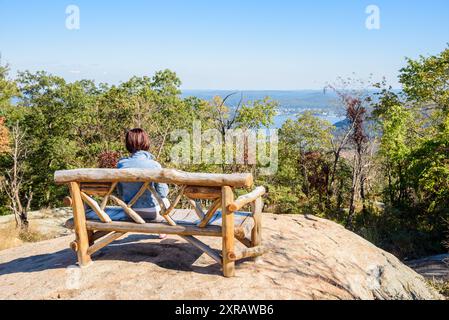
(97, 224)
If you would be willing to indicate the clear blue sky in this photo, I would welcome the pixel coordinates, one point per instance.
(244, 44)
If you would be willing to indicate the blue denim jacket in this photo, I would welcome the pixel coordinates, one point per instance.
(127, 191)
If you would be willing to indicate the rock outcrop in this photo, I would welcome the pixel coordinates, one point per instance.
(309, 258)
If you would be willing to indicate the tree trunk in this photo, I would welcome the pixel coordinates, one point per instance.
(355, 178)
(362, 192)
(351, 204)
(340, 196)
(390, 187)
(24, 224)
(333, 172)
(330, 185)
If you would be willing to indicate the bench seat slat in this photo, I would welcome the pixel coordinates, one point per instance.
(154, 228)
(186, 220)
(180, 216)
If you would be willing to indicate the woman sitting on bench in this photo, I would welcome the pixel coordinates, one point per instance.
(138, 144)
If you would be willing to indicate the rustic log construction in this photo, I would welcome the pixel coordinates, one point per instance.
(217, 190)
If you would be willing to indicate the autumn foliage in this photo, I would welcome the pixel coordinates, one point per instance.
(4, 136)
(108, 159)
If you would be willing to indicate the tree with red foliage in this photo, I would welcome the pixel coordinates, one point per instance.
(355, 136)
(108, 159)
(356, 113)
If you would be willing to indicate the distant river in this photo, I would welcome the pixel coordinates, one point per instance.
(291, 102)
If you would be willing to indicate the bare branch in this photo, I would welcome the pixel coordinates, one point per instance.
(13, 183)
(236, 112)
(220, 110)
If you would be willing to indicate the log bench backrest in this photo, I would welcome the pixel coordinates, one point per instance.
(169, 176)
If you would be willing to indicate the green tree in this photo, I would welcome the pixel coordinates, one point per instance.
(8, 88)
(303, 165)
(247, 115)
(414, 152)
(55, 112)
(395, 122)
(429, 171)
(425, 81)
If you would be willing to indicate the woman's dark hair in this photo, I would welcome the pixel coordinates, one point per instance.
(137, 140)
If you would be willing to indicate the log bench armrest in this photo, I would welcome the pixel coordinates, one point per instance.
(242, 201)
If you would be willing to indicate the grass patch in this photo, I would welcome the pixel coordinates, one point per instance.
(11, 237)
(32, 236)
(441, 286)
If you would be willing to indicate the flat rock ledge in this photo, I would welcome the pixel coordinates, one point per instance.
(309, 258)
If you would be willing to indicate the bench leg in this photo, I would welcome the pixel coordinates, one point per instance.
(256, 234)
(79, 217)
(227, 232)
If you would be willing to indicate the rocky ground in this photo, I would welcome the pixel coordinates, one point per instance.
(309, 258)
